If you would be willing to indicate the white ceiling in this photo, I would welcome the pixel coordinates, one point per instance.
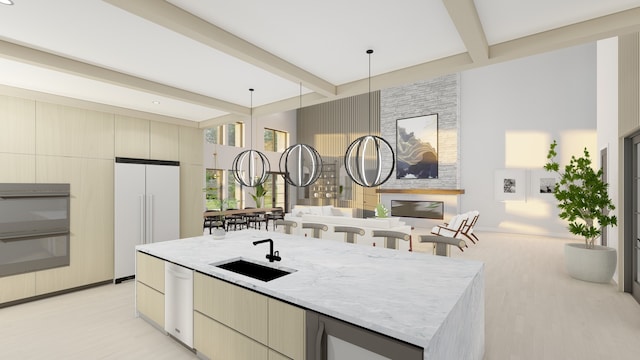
(199, 58)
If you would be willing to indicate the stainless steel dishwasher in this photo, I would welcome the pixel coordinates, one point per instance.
(178, 302)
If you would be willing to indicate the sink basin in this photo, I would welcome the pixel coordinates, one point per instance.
(253, 269)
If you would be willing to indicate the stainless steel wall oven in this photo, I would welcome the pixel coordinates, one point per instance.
(34, 227)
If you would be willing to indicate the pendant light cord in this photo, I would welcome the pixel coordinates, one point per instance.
(251, 117)
(369, 105)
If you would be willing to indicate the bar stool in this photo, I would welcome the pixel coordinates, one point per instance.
(391, 237)
(350, 233)
(288, 225)
(316, 228)
(441, 243)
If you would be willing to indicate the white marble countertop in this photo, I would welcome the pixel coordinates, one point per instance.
(404, 295)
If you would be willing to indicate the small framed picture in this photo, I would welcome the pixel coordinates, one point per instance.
(510, 185)
(542, 184)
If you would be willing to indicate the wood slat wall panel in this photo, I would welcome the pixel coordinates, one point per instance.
(331, 127)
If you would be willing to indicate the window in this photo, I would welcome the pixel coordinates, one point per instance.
(227, 134)
(213, 189)
(275, 140)
(234, 192)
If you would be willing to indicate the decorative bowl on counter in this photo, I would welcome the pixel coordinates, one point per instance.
(218, 234)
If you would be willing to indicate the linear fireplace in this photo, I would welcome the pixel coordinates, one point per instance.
(418, 209)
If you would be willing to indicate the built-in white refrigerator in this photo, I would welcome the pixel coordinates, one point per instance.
(146, 208)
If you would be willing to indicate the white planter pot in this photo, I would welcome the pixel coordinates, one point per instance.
(594, 265)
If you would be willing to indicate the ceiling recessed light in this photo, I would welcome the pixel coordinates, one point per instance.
(6, 2)
(154, 101)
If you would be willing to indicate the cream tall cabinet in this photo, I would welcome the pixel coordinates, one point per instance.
(146, 208)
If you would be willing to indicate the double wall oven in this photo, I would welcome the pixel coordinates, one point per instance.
(34, 227)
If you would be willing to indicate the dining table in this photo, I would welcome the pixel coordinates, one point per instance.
(210, 213)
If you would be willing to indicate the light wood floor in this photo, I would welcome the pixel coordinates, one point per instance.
(533, 311)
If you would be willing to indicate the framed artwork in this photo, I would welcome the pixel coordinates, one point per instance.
(417, 147)
(542, 184)
(510, 185)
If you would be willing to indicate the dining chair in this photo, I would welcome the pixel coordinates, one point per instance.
(277, 214)
(213, 222)
(256, 219)
(236, 221)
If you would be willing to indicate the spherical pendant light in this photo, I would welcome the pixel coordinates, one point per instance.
(363, 159)
(251, 167)
(301, 165)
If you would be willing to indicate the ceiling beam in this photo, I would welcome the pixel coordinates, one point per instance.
(465, 17)
(174, 18)
(50, 61)
(604, 27)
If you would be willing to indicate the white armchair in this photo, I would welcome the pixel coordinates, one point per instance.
(451, 229)
(467, 229)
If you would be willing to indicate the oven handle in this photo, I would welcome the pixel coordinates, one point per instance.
(18, 237)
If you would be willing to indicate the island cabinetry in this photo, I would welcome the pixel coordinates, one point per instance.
(150, 287)
(286, 330)
(217, 341)
(231, 322)
(274, 355)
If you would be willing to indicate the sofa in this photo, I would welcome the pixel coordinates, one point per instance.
(335, 216)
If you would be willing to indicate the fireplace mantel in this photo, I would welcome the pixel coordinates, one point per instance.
(421, 191)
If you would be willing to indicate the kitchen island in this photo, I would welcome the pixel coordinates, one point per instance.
(430, 302)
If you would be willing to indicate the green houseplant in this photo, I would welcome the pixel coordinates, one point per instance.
(583, 200)
(259, 195)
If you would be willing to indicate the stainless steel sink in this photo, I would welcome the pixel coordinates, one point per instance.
(253, 269)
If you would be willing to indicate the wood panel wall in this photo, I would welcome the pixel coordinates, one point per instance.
(330, 128)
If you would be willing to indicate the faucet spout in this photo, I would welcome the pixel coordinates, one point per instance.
(271, 256)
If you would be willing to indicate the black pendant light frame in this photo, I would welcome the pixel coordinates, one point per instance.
(302, 151)
(357, 149)
(250, 156)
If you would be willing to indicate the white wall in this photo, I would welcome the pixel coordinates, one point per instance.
(607, 120)
(510, 113)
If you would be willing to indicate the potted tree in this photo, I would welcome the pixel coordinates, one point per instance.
(584, 202)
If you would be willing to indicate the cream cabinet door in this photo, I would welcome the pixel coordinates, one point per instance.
(150, 271)
(217, 341)
(238, 308)
(150, 303)
(274, 355)
(287, 329)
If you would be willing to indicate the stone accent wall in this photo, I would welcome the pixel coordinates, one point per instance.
(441, 96)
